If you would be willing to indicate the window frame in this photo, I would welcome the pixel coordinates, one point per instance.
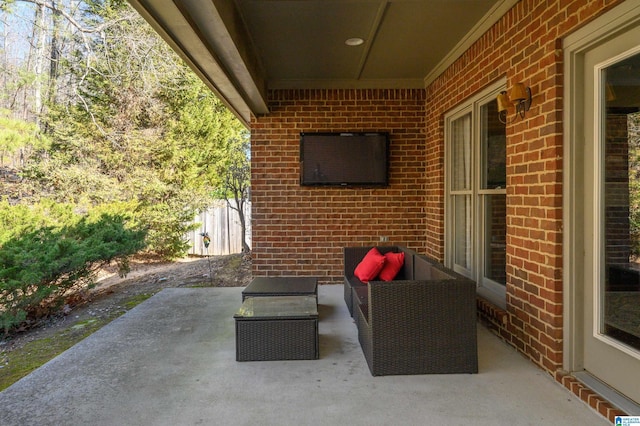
(489, 289)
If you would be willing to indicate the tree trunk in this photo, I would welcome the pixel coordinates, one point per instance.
(243, 226)
(5, 60)
(239, 207)
(40, 41)
(54, 56)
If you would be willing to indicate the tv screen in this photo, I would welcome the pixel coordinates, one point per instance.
(344, 159)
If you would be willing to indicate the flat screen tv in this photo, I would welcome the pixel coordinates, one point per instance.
(344, 159)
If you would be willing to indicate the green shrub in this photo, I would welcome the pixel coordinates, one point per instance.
(167, 224)
(19, 219)
(40, 266)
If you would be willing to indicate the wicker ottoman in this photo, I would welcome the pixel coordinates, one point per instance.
(277, 328)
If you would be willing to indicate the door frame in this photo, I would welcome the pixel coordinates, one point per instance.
(611, 24)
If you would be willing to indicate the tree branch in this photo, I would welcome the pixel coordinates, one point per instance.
(51, 6)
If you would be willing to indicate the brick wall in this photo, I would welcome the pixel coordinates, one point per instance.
(525, 46)
(300, 230)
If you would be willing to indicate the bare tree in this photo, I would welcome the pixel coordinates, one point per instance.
(237, 183)
(54, 57)
(39, 49)
(59, 30)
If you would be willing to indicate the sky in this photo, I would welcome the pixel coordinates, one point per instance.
(16, 31)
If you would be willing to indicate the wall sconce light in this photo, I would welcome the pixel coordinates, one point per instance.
(520, 97)
(610, 93)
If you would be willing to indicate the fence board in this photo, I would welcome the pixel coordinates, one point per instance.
(222, 223)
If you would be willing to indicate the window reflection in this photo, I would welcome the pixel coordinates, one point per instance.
(621, 306)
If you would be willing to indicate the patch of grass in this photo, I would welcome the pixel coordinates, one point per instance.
(19, 362)
(136, 300)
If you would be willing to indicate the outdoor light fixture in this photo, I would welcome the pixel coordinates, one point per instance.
(520, 97)
(609, 92)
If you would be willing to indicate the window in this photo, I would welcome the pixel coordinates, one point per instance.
(476, 198)
(620, 152)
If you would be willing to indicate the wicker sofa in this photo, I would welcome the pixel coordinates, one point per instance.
(422, 322)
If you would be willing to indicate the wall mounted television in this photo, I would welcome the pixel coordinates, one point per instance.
(344, 159)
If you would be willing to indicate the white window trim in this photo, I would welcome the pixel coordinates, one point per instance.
(494, 293)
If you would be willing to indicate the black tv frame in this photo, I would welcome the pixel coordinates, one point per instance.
(345, 158)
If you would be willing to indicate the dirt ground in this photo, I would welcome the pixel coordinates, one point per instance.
(114, 295)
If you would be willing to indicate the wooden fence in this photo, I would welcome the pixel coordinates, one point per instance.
(222, 223)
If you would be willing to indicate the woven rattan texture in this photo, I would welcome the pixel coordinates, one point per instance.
(410, 326)
(282, 339)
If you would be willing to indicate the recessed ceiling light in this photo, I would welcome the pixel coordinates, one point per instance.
(356, 41)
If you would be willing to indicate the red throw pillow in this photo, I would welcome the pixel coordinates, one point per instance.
(392, 265)
(370, 266)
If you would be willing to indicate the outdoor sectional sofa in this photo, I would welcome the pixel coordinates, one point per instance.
(421, 322)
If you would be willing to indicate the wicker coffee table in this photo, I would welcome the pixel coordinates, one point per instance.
(277, 328)
(281, 286)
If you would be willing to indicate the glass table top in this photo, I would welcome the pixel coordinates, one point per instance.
(278, 307)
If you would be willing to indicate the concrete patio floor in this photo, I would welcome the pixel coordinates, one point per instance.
(171, 361)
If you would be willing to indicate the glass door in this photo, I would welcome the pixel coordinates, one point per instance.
(612, 213)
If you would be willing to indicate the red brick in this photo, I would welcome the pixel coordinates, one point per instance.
(410, 211)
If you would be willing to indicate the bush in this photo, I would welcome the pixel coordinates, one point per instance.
(167, 226)
(40, 267)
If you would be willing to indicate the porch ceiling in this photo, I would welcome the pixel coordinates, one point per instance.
(241, 48)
